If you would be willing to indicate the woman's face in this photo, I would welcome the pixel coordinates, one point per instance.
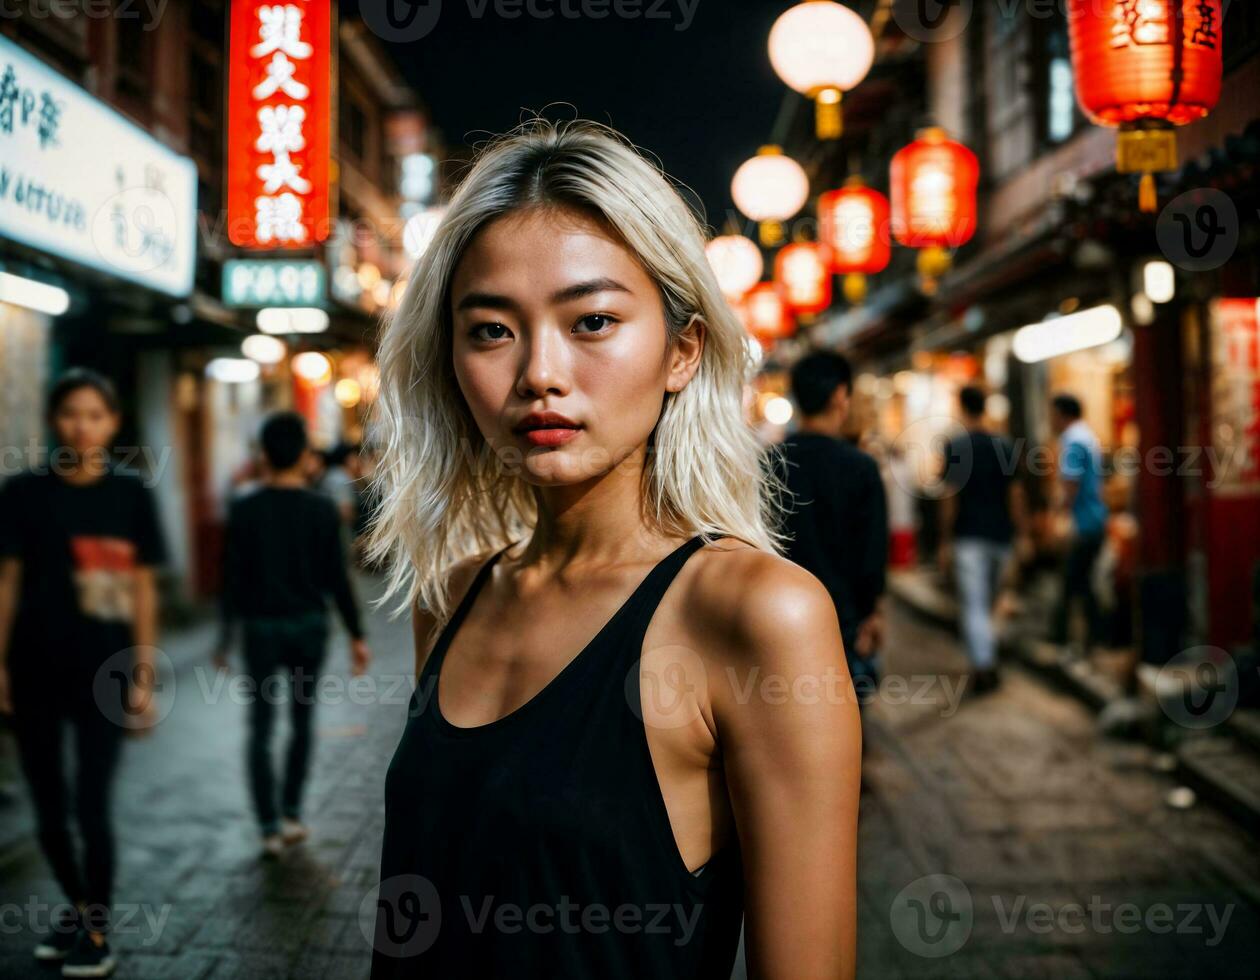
(84, 422)
(551, 313)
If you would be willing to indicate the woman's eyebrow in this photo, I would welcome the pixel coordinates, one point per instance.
(496, 301)
(491, 301)
(591, 286)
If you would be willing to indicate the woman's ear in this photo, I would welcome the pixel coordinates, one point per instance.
(685, 354)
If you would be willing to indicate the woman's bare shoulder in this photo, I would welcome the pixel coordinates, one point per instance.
(760, 608)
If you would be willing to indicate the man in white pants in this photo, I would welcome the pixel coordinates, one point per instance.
(981, 514)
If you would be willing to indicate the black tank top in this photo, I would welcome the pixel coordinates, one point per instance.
(539, 845)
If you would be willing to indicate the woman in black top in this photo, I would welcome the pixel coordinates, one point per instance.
(78, 614)
(632, 722)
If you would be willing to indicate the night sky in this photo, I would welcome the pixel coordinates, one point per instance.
(701, 98)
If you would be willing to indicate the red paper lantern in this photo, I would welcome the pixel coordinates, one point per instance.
(803, 272)
(765, 313)
(934, 182)
(853, 224)
(1146, 66)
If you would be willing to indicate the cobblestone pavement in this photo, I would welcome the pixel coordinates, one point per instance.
(1000, 837)
(1004, 837)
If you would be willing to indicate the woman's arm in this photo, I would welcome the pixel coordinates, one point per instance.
(791, 744)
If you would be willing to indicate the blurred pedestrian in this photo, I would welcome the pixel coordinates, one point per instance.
(839, 514)
(1082, 508)
(79, 541)
(340, 481)
(283, 558)
(982, 512)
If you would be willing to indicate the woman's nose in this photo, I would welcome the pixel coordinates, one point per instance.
(545, 368)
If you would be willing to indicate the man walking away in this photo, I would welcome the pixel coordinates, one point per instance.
(838, 518)
(283, 558)
(979, 518)
(1080, 476)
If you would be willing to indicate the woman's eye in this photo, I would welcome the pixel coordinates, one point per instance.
(490, 328)
(596, 321)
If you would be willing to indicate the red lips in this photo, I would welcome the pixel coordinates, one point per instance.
(547, 428)
(544, 420)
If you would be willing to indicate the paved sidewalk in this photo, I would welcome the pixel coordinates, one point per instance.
(207, 907)
(1004, 837)
(1013, 799)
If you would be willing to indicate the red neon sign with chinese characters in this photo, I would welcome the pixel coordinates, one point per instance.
(278, 123)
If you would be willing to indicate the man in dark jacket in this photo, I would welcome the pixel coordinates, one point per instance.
(838, 517)
(282, 562)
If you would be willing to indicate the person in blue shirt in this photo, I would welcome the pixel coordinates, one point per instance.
(1080, 475)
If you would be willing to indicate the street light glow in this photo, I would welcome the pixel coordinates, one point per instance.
(232, 370)
(1159, 281)
(38, 296)
(297, 319)
(1066, 334)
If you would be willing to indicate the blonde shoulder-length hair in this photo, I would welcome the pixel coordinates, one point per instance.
(442, 496)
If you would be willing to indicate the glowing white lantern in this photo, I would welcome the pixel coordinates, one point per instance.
(770, 188)
(822, 49)
(736, 262)
(312, 366)
(263, 348)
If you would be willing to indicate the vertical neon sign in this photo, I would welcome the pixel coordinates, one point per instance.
(279, 83)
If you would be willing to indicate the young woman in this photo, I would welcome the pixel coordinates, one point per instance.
(78, 619)
(632, 723)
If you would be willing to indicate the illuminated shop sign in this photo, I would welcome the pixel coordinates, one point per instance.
(273, 282)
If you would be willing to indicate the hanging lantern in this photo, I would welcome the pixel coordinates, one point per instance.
(853, 224)
(802, 271)
(766, 315)
(1146, 66)
(933, 184)
(822, 49)
(770, 188)
(736, 262)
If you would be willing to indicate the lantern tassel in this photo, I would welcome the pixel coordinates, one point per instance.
(1148, 194)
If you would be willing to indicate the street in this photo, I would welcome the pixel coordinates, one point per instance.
(999, 837)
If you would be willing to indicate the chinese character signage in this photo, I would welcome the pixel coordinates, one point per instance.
(273, 282)
(278, 124)
(132, 213)
(1236, 395)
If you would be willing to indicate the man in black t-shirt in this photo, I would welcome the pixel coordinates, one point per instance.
(282, 561)
(838, 518)
(981, 513)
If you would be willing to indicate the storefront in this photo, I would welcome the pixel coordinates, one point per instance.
(96, 259)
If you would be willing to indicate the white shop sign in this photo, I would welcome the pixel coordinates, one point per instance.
(80, 181)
